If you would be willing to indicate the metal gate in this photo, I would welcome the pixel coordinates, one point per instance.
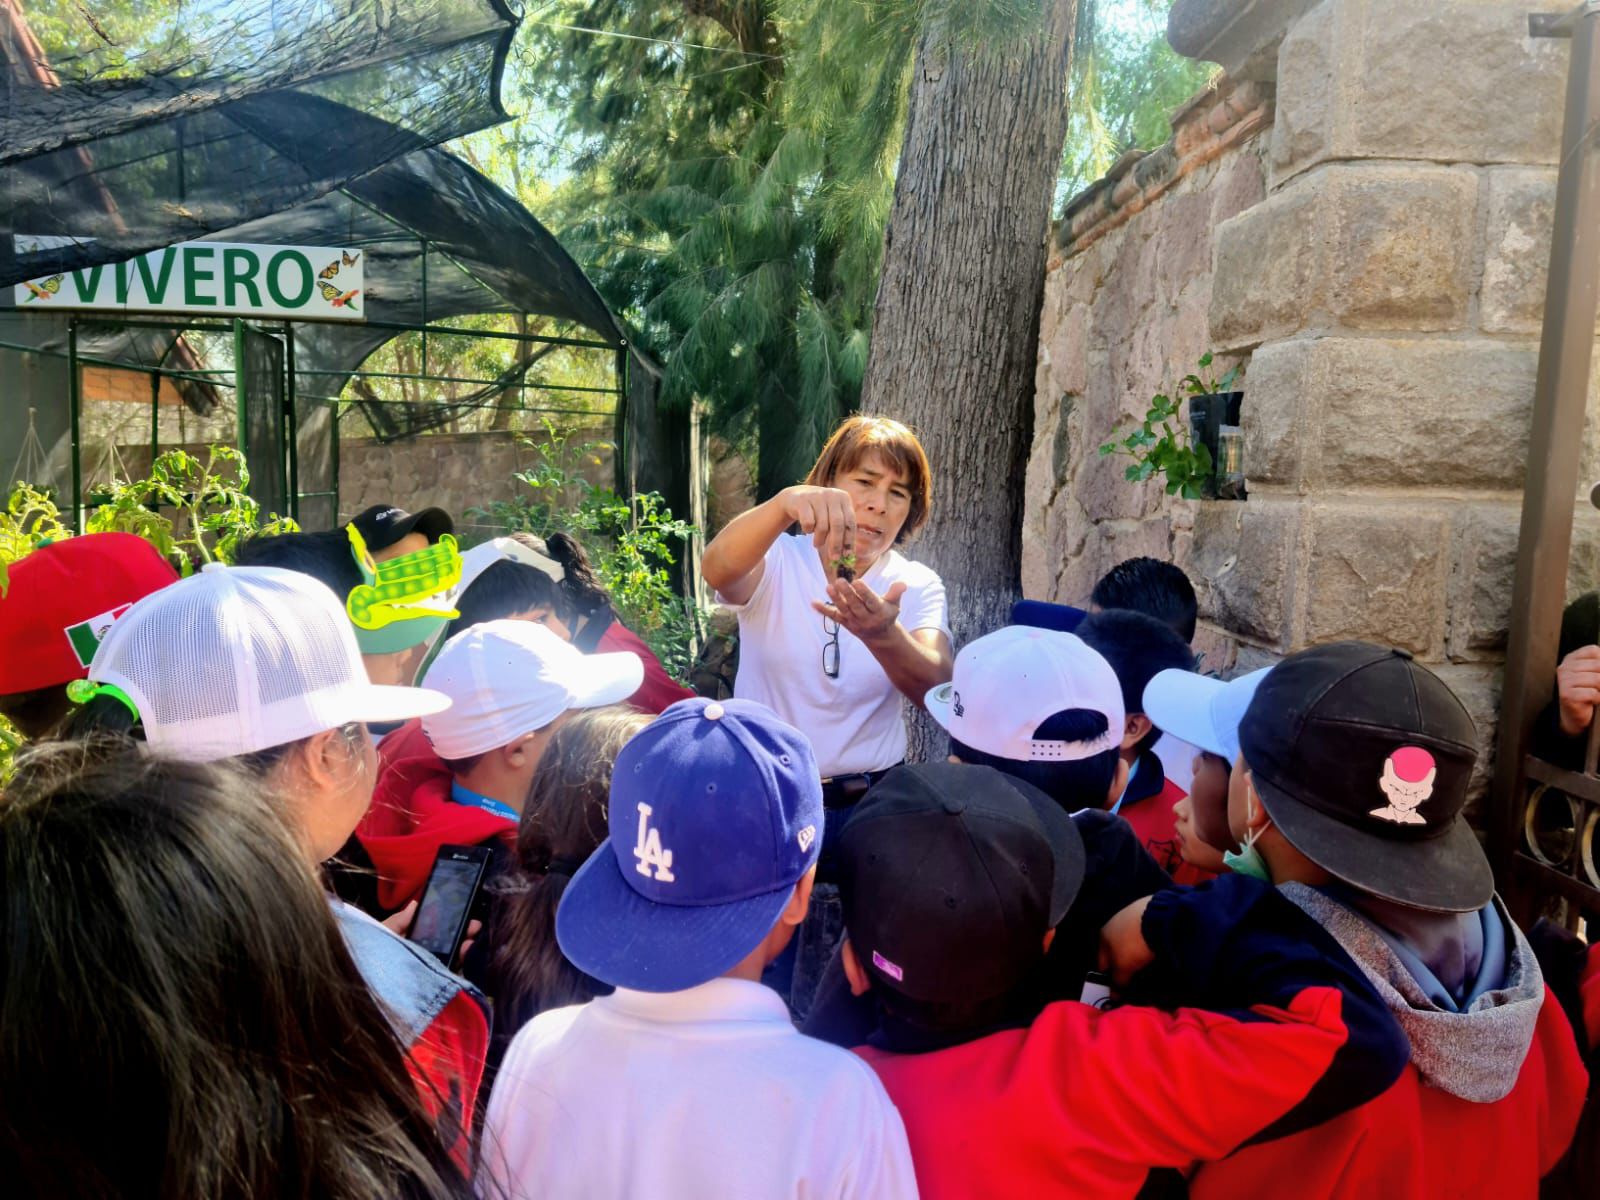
(1546, 837)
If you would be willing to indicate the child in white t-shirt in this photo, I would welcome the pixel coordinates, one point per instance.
(689, 1080)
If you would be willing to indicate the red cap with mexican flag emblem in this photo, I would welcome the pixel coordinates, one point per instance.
(61, 600)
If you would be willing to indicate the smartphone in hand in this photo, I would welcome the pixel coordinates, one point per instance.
(447, 900)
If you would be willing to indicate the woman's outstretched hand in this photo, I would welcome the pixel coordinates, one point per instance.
(861, 610)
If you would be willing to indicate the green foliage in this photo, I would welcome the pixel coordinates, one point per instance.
(30, 520)
(1127, 83)
(726, 175)
(1158, 446)
(214, 513)
(631, 545)
(1208, 385)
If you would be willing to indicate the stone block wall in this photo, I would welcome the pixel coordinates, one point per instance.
(1372, 244)
(1127, 299)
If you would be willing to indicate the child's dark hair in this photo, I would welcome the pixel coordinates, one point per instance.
(325, 555)
(105, 716)
(179, 1049)
(1138, 647)
(505, 589)
(1084, 783)
(101, 715)
(1148, 585)
(563, 822)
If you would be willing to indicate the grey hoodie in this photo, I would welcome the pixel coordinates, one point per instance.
(1476, 1053)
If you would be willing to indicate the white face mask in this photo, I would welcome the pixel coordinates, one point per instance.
(1248, 861)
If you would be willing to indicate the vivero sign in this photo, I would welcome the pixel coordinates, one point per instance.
(304, 283)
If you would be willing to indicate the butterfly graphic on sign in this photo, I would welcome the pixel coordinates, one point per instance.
(350, 260)
(44, 289)
(329, 271)
(339, 299)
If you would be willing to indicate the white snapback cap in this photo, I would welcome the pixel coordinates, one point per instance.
(1008, 682)
(1202, 711)
(238, 659)
(507, 678)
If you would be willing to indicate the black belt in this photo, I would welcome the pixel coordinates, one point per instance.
(842, 791)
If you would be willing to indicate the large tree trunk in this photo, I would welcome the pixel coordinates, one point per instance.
(955, 334)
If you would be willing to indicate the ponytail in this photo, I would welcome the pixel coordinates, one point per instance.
(582, 587)
(99, 716)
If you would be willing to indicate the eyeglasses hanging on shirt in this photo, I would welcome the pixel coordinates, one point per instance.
(830, 648)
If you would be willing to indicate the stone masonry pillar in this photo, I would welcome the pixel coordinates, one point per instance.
(1388, 291)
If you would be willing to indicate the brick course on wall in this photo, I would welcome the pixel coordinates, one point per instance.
(1364, 225)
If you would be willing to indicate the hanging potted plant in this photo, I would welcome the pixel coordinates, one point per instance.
(1214, 405)
(1187, 454)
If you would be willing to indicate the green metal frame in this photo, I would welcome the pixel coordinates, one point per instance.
(220, 377)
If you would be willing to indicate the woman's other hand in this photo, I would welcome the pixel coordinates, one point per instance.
(828, 515)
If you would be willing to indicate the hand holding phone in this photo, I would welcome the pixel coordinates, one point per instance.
(447, 900)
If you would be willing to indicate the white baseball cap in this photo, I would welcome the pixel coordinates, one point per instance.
(237, 659)
(1008, 682)
(1202, 711)
(508, 678)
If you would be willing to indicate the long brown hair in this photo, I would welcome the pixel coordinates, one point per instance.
(562, 824)
(179, 1016)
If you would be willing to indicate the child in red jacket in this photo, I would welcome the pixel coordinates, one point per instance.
(1348, 796)
(463, 777)
(955, 879)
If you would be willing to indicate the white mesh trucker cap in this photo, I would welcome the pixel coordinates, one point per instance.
(237, 659)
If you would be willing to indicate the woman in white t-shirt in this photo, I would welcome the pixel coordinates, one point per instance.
(835, 624)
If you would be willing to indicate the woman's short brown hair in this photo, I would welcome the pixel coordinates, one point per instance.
(862, 435)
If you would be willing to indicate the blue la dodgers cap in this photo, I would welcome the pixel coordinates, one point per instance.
(715, 815)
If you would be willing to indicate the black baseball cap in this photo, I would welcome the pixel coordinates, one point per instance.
(950, 877)
(382, 525)
(1362, 759)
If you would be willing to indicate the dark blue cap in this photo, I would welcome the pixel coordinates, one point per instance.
(1041, 614)
(716, 813)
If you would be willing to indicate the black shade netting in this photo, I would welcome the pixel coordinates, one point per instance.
(264, 417)
(157, 123)
(441, 241)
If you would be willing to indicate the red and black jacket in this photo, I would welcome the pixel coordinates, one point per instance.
(1280, 1032)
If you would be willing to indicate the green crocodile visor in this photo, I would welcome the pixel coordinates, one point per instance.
(398, 635)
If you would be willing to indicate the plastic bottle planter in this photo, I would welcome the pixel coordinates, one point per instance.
(1208, 413)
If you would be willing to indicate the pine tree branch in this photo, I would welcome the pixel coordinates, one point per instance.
(747, 22)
